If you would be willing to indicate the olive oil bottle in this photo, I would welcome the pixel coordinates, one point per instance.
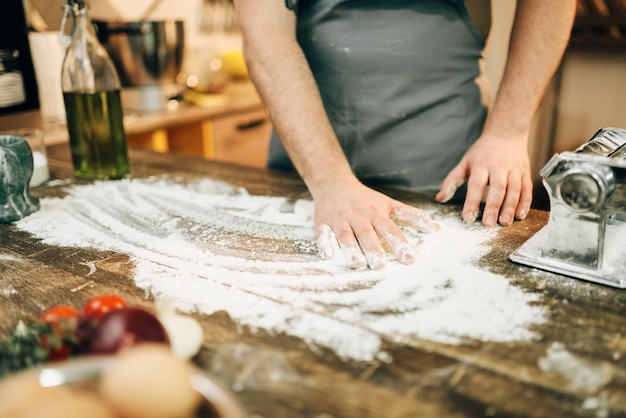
(93, 107)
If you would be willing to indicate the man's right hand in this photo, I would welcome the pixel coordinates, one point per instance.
(365, 224)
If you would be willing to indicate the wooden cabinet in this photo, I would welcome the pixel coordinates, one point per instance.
(237, 132)
(242, 138)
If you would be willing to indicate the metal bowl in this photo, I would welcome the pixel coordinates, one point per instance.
(144, 53)
(84, 373)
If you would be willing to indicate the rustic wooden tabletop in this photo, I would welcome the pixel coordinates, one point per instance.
(575, 366)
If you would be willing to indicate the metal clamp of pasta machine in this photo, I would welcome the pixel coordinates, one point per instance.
(585, 237)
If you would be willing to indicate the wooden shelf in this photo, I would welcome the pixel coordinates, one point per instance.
(599, 23)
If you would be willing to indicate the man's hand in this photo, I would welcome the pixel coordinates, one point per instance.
(503, 165)
(363, 221)
(499, 159)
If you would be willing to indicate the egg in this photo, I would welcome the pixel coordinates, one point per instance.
(78, 404)
(149, 381)
(21, 391)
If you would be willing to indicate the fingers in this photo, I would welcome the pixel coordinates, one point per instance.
(364, 240)
(325, 242)
(450, 184)
(512, 195)
(399, 247)
(475, 189)
(353, 256)
(349, 246)
(508, 197)
(376, 260)
(363, 243)
(495, 198)
(414, 217)
(497, 168)
(526, 198)
(357, 254)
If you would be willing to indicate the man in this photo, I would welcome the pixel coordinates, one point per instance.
(386, 92)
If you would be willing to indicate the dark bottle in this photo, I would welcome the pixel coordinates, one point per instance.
(93, 106)
(18, 85)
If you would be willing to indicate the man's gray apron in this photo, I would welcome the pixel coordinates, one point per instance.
(398, 82)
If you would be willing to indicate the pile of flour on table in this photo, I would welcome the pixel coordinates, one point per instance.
(211, 247)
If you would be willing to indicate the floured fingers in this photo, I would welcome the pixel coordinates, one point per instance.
(403, 252)
(326, 242)
(355, 257)
(414, 217)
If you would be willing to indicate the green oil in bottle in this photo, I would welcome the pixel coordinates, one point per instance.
(97, 136)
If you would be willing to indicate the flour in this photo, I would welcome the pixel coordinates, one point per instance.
(580, 374)
(211, 247)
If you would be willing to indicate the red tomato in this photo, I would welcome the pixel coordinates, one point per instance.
(98, 306)
(61, 317)
(64, 321)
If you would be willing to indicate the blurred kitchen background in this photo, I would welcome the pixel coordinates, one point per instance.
(191, 59)
(588, 92)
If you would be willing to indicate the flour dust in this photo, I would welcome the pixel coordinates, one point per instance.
(210, 247)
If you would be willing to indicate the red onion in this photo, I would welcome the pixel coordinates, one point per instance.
(126, 327)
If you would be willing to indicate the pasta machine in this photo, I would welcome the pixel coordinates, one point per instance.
(585, 236)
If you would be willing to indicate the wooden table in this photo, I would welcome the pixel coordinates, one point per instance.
(425, 379)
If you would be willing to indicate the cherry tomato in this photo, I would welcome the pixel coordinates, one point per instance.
(61, 317)
(61, 341)
(98, 306)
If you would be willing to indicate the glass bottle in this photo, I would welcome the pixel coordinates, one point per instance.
(91, 92)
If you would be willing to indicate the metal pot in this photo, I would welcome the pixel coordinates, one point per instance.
(145, 53)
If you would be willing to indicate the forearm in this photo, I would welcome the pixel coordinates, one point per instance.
(284, 81)
(538, 39)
